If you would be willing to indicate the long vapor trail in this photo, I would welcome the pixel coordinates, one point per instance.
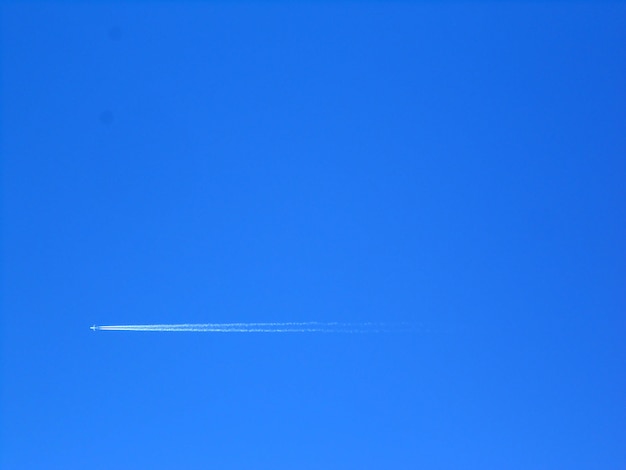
(270, 327)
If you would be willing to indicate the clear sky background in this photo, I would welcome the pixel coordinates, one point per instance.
(459, 166)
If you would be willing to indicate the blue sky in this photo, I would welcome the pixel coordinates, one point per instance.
(457, 166)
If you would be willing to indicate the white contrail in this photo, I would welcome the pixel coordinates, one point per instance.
(268, 327)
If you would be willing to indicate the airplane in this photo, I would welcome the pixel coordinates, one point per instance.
(93, 328)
